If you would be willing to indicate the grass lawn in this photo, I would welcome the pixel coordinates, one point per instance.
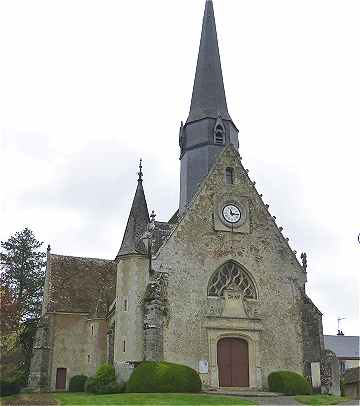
(320, 399)
(148, 399)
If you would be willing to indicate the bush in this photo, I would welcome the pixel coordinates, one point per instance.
(8, 388)
(105, 374)
(163, 377)
(104, 382)
(342, 387)
(91, 385)
(289, 383)
(111, 388)
(77, 383)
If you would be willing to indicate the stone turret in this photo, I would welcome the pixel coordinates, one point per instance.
(132, 279)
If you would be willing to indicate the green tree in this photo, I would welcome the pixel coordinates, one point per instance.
(22, 272)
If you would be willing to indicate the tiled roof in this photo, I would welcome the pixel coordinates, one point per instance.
(80, 285)
(343, 346)
(161, 233)
(136, 225)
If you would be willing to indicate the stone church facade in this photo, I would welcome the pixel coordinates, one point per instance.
(217, 287)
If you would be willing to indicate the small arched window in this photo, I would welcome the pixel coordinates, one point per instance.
(231, 276)
(219, 132)
(219, 135)
(229, 176)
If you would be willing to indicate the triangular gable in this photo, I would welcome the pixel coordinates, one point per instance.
(246, 187)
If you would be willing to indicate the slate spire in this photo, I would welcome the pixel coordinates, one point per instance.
(137, 221)
(209, 127)
(208, 98)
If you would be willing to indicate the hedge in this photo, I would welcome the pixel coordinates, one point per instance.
(77, 383)
(163, 377)
(289, 383)
(8, 388)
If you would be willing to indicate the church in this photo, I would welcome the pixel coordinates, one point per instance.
(216, 287)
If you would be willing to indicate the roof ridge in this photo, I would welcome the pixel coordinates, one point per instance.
(77, 257)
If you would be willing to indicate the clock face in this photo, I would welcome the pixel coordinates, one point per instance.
(232, 214)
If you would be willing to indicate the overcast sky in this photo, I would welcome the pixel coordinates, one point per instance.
(89, 87)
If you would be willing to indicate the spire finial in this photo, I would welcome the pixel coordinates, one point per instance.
(140, 173)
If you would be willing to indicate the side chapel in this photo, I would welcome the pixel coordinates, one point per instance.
(216, 287)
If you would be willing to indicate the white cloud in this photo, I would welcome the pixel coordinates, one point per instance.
(88, 87)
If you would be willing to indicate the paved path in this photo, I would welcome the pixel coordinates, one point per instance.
(279, 400)
(288, 400)
(260, 398)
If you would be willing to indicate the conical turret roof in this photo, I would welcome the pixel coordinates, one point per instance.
(137, 223)
(208, 98)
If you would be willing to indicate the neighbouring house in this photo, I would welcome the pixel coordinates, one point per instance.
(351, 382)
(346, 349)
(216, 287)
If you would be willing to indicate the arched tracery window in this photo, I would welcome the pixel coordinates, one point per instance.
(219, 135)
(219, 132)
(231, 276)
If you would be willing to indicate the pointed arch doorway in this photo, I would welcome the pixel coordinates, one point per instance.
(233, 362)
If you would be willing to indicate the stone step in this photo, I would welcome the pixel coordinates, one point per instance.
(242, 392)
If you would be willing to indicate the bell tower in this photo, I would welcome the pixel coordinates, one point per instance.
(209, 126)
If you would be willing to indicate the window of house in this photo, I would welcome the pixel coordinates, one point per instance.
(124, 346)
(125, 305)
(229, 176)
(88, 357)
(92, 330)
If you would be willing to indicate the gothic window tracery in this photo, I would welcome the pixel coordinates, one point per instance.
(231, 276)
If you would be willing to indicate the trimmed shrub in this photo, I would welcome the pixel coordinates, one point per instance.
(91, 385)
(163, 377)
(8, 388)
(77, 383)
(289, 383)
(105, 374)
(111, 388)
(104, 382)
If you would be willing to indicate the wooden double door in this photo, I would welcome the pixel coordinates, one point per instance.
(233, 362)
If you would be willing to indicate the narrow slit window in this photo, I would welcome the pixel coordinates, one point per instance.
(219, 135)
(124, 346)
(125, 305)
(92, 330)
(88, 358)
(229, 176)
